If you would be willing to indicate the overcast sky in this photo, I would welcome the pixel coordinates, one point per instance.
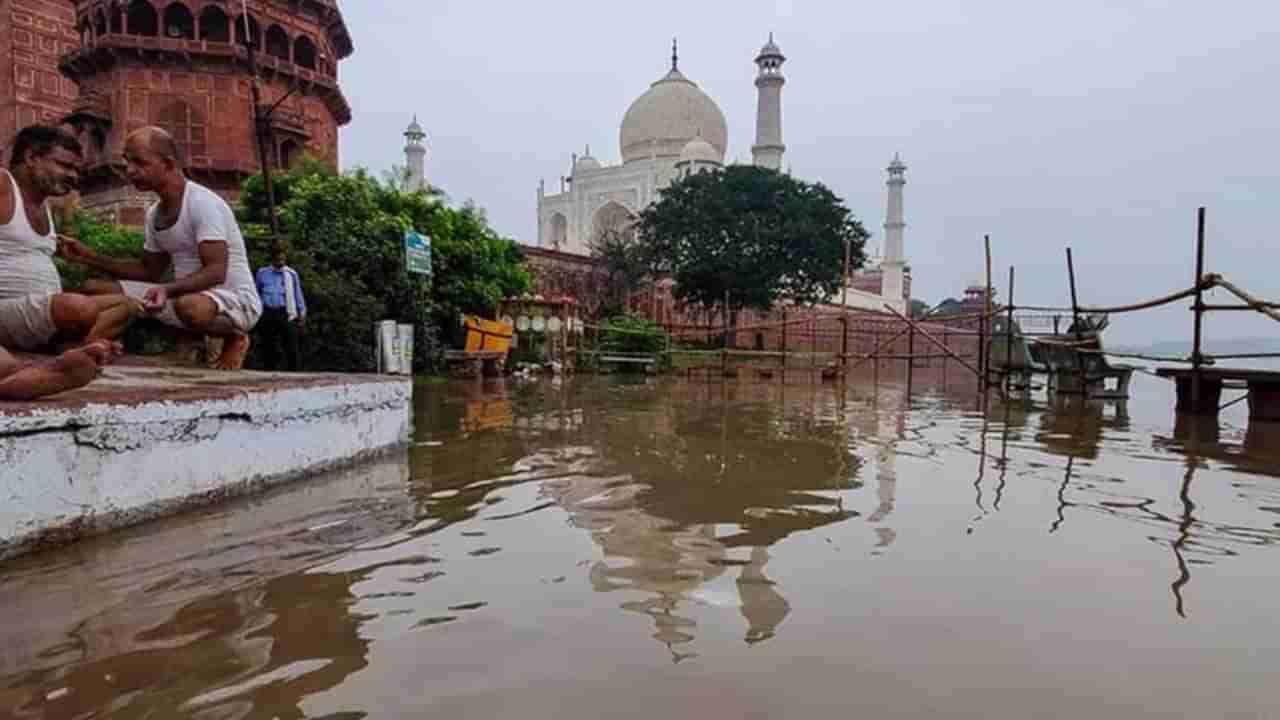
(1096, 125)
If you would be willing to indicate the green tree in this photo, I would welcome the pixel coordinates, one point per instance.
(919, 308)
(345, 237)
(752, 235)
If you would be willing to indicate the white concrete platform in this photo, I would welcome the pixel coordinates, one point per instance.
(146, 441)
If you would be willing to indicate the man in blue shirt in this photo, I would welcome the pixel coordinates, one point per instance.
(284, 313)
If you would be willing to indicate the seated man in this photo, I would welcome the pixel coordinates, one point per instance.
(34, 312)
(193, 229)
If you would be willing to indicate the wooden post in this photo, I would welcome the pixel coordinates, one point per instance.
(944, 357)
(784, 345)
(724, 352)
(844, 340)
(1008, 338)
(984, 362)
(1075, 321)
(1197, 359)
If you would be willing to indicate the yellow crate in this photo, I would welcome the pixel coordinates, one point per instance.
(490, 335)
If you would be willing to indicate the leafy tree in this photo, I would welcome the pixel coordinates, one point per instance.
(623, 259)
(919, 308)
(346, 240)
(753, 235)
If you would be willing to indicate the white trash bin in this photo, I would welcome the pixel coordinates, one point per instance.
(406, 349)
(387, 346)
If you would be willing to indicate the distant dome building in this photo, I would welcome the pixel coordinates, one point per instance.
(673, 129)
(672, 113)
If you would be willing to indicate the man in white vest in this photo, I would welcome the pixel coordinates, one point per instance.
(194, 231)
(35, 313)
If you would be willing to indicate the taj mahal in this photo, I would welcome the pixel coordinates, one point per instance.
(670, 131)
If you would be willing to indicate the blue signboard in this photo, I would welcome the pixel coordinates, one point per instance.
(417, 253)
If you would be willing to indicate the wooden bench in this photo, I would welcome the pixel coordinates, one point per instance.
(1263, 387)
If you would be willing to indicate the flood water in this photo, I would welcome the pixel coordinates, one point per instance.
(632, 547)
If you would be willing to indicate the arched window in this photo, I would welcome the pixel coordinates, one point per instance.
(117, 20)
(289, 151)
(215, 26)
(187, 126)
(558, 231)
(100, 22)
(277, 42)
(142, 19)
(304, 52)
(613, 223)
(254, 32)
(179, 23)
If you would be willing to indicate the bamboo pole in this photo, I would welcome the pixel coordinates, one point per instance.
(882, 346)
(1075, 321)
(1254, 303)
(1008, 339)
(1197, 358)
(935, 342)
(983, 349)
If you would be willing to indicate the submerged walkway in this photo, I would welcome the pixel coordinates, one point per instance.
(145, 441)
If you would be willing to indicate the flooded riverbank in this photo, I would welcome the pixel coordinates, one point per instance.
(650, 548)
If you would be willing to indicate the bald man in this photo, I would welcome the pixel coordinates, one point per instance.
(194, 231)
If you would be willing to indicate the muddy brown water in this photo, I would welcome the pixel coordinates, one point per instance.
(630, 547)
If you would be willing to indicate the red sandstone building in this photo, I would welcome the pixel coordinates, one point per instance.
(108, 67)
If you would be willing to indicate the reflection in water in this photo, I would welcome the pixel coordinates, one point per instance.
(681, 483)
(701, 509)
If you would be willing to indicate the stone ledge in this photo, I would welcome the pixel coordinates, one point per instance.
(143, 442)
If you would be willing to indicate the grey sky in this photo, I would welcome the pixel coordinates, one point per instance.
(1099, 125)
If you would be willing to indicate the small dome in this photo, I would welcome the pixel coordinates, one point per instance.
(699, 150)
(666, 117)
(414, 128)
(586, 163)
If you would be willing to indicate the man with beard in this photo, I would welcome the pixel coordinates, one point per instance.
(34, 311)
(194, 231)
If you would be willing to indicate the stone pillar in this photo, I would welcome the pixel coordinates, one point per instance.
(894, 264)
(415, 156)
(767, 152)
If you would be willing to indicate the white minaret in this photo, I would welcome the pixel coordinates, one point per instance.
(415, 156)
(894, 264)
(767, 152)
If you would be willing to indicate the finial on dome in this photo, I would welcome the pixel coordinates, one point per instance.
(675, 56)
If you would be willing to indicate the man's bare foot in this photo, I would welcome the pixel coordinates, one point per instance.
(68, 371)
(234, 350)
(103, 352)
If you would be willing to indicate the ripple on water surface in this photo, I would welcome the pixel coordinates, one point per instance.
(652, 547)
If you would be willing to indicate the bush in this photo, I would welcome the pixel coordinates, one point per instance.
(634, 335)
(105, 238)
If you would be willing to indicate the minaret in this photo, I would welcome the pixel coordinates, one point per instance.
(767, 152)
(415, 156)
(893, 265)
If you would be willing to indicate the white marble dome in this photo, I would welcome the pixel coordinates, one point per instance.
(672, 112)
(699, 151)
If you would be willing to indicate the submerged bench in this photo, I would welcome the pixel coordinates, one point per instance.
(1263, 387)
(649, 362)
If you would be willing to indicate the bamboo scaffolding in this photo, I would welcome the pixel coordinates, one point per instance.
(935, 342)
